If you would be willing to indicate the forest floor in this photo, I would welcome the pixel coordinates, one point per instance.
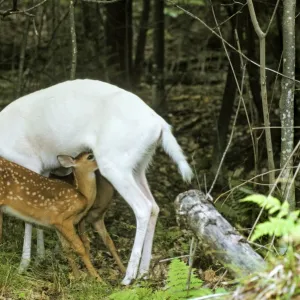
(193, 112)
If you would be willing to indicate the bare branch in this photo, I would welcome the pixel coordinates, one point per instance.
(227, 43)
(102, 1)
(14, 10)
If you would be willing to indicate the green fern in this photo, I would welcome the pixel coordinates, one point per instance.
(270, 203)
(176, 287)
(275, 226)
(177, 282)
(285, 224)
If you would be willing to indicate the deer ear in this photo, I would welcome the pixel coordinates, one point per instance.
(61, 172)
(66, 161)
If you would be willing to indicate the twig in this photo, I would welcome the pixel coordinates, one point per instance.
(220, 279)
(231, 135)
(24, 11)
(272, 190)
(275, 127)
(211, 296)
(193, 248)
(102, 1)
(175, 257)
(227, 43)
(240, 185)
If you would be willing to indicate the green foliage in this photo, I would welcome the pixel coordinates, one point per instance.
(176, 288)
(177, 282)
(88, 289)
(285, 224)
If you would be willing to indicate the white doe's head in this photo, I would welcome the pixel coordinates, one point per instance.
(83, 162)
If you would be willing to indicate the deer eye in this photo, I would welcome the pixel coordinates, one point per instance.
(90, 157)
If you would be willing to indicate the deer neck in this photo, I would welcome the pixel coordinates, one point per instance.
(86, 184)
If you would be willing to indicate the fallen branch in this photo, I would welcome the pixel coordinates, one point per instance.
(216, 236)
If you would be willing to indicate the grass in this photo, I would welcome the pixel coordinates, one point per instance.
(51, 279)
(48, 279)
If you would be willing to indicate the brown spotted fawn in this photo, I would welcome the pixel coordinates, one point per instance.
(50, 202)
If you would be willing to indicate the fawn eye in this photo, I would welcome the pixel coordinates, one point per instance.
(90, 157)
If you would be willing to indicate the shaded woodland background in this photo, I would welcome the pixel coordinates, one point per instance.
(171, 55)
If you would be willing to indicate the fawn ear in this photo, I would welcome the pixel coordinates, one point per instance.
(66, 161)
(61, 172)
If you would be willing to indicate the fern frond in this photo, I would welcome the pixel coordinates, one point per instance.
(125, 295)
(275, 226)
(177, 282)
(270, 203)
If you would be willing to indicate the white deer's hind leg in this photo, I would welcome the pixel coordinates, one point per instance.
(125, 183)
(26, 254)
(40, 246)
(147, 247)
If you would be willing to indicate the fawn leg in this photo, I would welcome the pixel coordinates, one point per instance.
(96, 215)
(66, 248)
(99, 226)
(67, 230)
(84, 237)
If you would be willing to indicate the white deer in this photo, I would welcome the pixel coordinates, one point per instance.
(121, 130)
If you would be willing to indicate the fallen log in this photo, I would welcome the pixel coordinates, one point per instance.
(216, 236)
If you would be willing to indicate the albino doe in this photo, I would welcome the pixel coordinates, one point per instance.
(121, 130)
(52, 203)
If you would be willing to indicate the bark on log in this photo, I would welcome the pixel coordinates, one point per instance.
(216, 236)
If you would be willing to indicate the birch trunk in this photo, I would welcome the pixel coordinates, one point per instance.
(287, 101)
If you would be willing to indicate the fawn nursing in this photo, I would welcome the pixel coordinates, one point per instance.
(121, 130)
(50, 202)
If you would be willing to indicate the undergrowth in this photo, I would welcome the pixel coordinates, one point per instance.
(282, 278)
(176, 287)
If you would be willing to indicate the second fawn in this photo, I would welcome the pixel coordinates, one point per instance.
(52, 203)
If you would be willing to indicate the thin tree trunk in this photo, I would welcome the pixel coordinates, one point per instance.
(158, 101)
(264, 96)
(22, 59)
(141, 42)
(287, 101)
(73, 41)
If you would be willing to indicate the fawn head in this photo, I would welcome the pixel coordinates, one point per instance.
(83, 162)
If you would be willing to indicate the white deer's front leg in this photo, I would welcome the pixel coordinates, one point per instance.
(26, 254)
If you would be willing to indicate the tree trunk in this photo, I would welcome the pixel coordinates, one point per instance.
(263, 89)
(141, 42)
(119, 41)
(19, 84)
(216, 236)
(158, 101)
(73, 41)
(287, 101)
